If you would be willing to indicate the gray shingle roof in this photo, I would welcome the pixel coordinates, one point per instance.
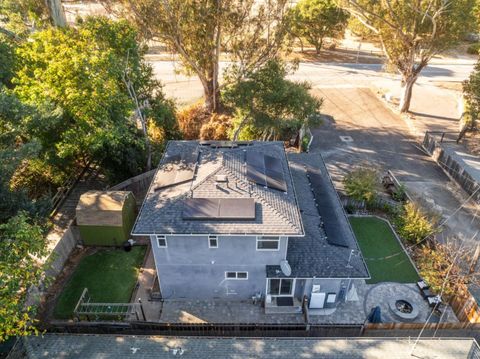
(70, 346)
(312, 256)
(277, 212)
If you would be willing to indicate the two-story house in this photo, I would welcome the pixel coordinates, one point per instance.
(238, 220)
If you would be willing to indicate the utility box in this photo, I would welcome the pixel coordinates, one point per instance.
(105, 218)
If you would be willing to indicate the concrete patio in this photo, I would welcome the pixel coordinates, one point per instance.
(354, 311)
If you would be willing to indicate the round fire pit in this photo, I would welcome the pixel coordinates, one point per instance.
(403, 309)
(403, 306)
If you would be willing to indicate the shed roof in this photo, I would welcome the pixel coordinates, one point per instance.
(102, 200)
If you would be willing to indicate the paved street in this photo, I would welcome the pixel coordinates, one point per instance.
(188, 89)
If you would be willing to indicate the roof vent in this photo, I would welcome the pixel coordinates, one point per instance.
(221, 178)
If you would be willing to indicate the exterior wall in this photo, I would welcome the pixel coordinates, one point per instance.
(189, 269)
(102, 235)
(326, 286)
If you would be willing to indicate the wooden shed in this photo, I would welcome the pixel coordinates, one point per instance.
(105, 218)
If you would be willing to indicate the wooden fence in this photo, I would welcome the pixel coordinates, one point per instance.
(454, 169)
(452, 330)
(138, 185)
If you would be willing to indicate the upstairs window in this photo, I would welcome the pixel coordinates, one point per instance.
(162, 241)
(236, 275)
(212, 242)
(268, 243)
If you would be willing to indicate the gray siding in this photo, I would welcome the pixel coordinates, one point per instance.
(189, 269)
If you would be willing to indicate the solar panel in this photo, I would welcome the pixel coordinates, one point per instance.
(255, 159)
(219, 208)
(172, 159)
(177, 169)
(165, 179)
(200, 208)
(237, 208)
(265, 170)
(273, 164)
(256, 175)
(190, 158)
(275, 180)
(327, 209)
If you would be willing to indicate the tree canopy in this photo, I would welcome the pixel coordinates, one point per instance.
(199, 30)
(79, 72)
(65, 100)
(471, 94)
(22, 244)
(267, 105)
(314, 20)
(412, 32)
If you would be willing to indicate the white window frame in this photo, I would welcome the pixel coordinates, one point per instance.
(158, 237)
(268, 239)
(294, 280)
(212, 238)
(236, 275)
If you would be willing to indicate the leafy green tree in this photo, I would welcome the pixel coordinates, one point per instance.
(22, 245)
(471, 95)
(314, 20)
(267, 105)
(7, 60)
(358, 29)
(362, 184)
(199, 30)
(412, 32)
(18, 18)
(16, 148)
(80, 74)
(414, 224)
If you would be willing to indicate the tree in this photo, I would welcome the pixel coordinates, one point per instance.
(56, 13)
(198, 30)
(414, 224)
(22, 245)
(412, 32)
(315, 20)
(80, 73)
(18, 18)
(267, 105)
(471, 95)
(362, 184)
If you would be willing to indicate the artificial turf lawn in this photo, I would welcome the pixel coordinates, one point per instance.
(109, 274)
(377, 241)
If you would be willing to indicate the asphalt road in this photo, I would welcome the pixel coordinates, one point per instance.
(188, 89)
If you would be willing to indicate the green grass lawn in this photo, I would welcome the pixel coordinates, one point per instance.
(109, 274)
(377, 240)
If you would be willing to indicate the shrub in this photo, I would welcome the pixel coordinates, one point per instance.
(414, 224)
(191, 119)
(434, 265)
(217, 127)
(38, 177)
(305, 142)
(473, 49)
(362, 184)
(399, 193)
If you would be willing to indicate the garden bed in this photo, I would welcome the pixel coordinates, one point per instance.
(383, 253)
(109, 274)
